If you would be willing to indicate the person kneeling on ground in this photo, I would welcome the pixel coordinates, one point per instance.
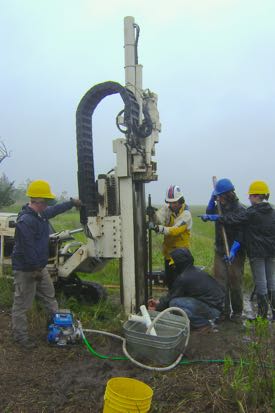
(194, 291)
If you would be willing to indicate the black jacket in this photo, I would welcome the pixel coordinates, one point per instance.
(193, 282)
(31, 249)
(234, 230)
(258, 222)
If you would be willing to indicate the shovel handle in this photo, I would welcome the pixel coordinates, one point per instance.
(224, 236)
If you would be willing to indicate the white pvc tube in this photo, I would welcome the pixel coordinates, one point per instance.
(148, 321)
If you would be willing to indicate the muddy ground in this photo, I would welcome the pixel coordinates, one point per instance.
(69, 379)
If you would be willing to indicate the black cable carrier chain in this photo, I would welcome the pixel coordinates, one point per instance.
(84, 132)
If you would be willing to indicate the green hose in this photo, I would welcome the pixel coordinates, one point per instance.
(185, 362)
(90, 348)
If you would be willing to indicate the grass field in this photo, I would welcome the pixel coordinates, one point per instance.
(201, 245)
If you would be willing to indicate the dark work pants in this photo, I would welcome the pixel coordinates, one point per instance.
(231, 278)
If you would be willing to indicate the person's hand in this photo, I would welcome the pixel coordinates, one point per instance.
(76, 202)
(151, 225)
(152, 304)
(211, 204)
(233, 252)
(208, 217)
(159, 229)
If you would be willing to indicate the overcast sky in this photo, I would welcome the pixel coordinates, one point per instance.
(211, 62)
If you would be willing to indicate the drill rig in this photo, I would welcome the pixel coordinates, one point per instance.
(113, 212)
(113, 216)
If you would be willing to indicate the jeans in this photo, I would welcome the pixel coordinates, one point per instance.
(198, 312)
(263, 270)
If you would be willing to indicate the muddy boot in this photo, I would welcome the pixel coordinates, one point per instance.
(262, 301)
(271, 296)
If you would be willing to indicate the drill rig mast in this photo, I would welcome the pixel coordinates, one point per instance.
(114, 205)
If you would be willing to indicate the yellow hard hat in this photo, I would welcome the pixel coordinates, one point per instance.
(258, 188)
(40, 189)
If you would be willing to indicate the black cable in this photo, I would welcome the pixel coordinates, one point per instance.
(136, 26)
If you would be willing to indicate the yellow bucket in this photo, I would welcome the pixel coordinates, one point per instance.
(125, 395)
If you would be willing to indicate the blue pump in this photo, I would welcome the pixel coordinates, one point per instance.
(62, 329)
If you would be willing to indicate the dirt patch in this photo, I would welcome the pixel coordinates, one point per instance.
(69, 379)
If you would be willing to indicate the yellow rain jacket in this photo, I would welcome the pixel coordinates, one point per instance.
(175, 227)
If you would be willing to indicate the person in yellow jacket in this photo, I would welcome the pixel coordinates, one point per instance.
(174, 221)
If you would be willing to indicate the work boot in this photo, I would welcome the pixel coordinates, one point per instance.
(271, 296)
(26, 343)
(262, 301)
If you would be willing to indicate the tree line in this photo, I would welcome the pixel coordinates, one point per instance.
(9, 194)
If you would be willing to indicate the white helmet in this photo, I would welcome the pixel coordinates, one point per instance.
(173, 194)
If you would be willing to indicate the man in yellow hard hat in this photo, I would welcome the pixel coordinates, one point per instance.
(30, 257)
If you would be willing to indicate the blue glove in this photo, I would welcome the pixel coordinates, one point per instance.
(207, 217)
(211, 204)
(233, 252)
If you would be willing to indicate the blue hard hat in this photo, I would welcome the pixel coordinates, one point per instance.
(222, 186)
